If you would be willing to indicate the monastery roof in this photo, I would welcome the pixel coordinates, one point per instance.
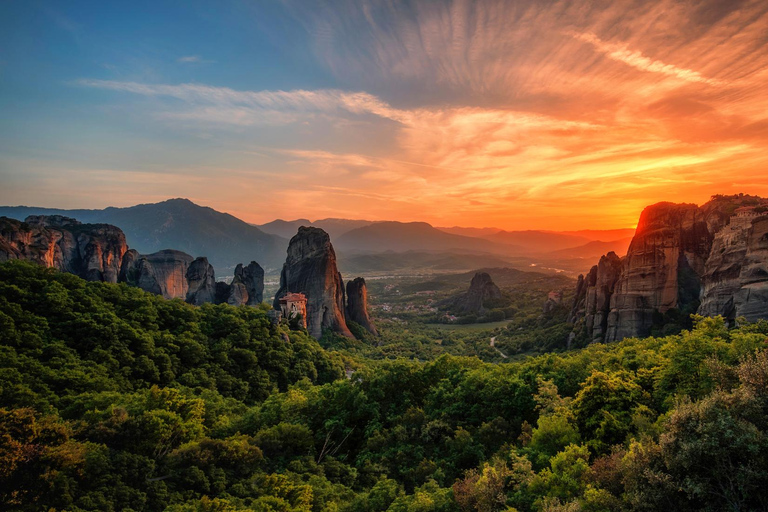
(293, 297)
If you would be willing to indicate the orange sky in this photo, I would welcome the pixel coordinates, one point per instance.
(519, 115)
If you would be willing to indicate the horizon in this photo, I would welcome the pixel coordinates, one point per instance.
(555, 116)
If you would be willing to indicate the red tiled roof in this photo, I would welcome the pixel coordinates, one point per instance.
(294, 297)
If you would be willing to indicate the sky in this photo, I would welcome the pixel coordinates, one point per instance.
(530, 114)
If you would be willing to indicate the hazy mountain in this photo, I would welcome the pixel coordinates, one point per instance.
(476, 232)
(602, 234)
(182, 225)
(538, 241)
(595, 249)
(334, 227)
(412, 236)
(284, 228)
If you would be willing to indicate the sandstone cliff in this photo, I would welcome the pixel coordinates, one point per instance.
(357, 305)
(735, 281)
(310, 268)
(98, 252)
(162, 273)
(682, 259)
(91, 251)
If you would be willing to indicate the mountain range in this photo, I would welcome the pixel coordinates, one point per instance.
(182, 225)
(226, 240)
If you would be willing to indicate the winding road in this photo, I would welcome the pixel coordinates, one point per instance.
(493, 344)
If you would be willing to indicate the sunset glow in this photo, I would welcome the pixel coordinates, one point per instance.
(514, 114)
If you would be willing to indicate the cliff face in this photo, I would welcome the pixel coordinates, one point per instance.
(357, 305)
(201, 282)
(593, 296)
(251, 278)
(662, 268)
(735, 281)
(310, 268)
(98, 252)
(162, 273)
(709, 259)
(481, 289)
(91, 251)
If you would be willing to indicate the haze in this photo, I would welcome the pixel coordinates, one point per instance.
(518, 114)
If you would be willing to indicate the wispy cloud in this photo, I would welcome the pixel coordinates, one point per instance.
(637, 60)
(516, 114)
(193, 59)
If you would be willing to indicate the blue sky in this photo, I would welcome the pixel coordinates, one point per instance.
(516, 114)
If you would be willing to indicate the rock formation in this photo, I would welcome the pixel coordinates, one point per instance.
(357, 305)
(201, 282)
(735, 281)
(91, 251)
(98, 252)
(252, 279)
(710, 259)
(310, 268)
(593, 296)
(554, 299)
(481, 290)
(162, 273)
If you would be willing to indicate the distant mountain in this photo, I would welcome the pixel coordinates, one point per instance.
(334, 227)
(476, 232)
(337, 227)
(602, 234)
(595, 249)
(412, 236)
(182, 225)
(538, 241)
(284, 228)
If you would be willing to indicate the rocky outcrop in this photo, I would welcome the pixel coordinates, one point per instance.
(98, 252)
(162, 273)
(593, 296)
(91, 251)
(310, 268)
(481, 290)
(554, 300)
(662, 268)
(357, 305)
(682, 259)
(201, 282)
(735, 281)
(252, 279)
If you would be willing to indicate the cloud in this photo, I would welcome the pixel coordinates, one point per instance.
(252, 102)
(515, 114)
(188, 59)
(637, 60)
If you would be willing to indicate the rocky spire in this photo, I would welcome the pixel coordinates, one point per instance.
(357, 305)
(310, 268)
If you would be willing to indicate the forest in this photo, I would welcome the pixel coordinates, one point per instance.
(112, 398)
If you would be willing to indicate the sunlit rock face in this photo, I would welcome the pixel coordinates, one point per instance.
(710, 260)
(662, 268)
(91, 251)
(357, 305)
(162, 273)
(310, 268)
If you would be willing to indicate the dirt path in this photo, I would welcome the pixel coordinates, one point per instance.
(493, 344)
